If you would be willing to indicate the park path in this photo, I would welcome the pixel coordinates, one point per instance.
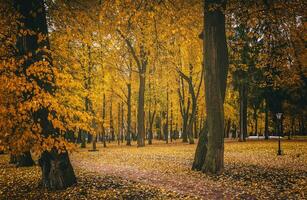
(183, 184)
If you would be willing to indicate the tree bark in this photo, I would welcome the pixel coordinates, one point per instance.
(216, 68)
(129, 115)
(141, 116)
(112, 135)
(266, 123)
(57, 171)
(243, 112)
(103, 121)
(201, 149)
(256, 122)
(118, 123)
(22, 160)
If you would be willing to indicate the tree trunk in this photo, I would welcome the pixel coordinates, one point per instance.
(201, 149)
(112, 135)
(227, 129)
(166, 123)
(118, 124)
(22, 160)
(57, 171)
(216, 69)
(266, 124)
(292, 128)
(158, 127)
(302, 125)
(122, 123)
(141, 116)
(103, 121)
(151, 120)
(129, 115)
(243, 112)
(256, 122)
(184, 133)
(83, 140)
(195, 131)
(171, 124)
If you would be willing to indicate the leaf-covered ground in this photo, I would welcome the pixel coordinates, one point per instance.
(252, 171)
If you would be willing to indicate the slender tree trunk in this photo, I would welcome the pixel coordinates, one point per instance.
(118, 124)
(83, 140)
(256, 122)
(122, 123)
(103, 121)
(227, 129)
(243, 112)
(171, 124)
(195, 127)
(79, 138)
(129, 115)
(266, 123)
(112, 134)
(166, 123)
(292, 128)
(141, 116)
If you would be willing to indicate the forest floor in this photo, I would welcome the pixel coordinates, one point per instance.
(160, 171)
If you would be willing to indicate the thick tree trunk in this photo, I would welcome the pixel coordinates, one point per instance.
(129, 115)
(216, 68)
(57, 171)
(140, 116)
(22, 160)
(201, 149)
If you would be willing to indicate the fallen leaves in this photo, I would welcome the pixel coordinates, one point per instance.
(252, 171)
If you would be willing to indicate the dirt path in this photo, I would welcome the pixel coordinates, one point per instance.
(186, 185)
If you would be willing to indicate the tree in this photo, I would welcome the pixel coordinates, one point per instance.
(216, 69)
(57, 171)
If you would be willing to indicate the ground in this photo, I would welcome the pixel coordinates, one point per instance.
(252, 171)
